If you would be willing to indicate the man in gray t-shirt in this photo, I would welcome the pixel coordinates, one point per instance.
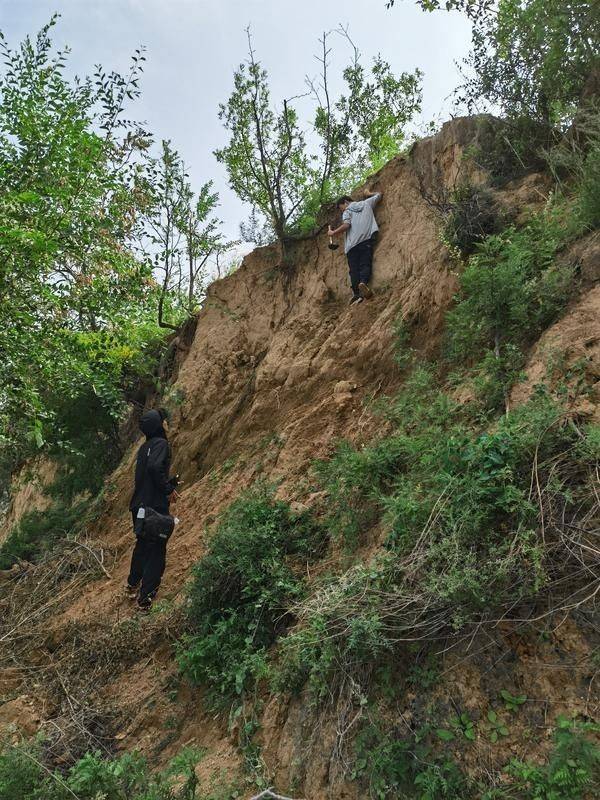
(359, 226)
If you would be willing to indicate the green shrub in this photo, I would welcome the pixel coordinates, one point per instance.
(25, 776)
(38, 531)
(589, 189)
(473, 216)
(242, 590)
(510, 291)
(354, 480)
(392, 766)
(572, 770)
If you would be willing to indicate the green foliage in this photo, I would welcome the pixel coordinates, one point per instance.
(386, 763)
(509, 292)
(242, 590)
(403, 352)
(532, 58)
(24, 775)
(72, 295)
(512, 702)
(180, 233)
(464, 725)
(589, 188)
(396, 765)
(442, 780)
(572, 770)
(393, 766)
(462, 530)
(82, 223)
(38, 531)
(497, 727)
(355, 478)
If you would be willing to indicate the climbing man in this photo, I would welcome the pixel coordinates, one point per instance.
(359, 226)
(153, 488)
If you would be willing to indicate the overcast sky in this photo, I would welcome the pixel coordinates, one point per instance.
(193, 47)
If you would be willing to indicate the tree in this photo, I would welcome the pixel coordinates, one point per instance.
(268, 158)
(361, 130)
(180, 233)
(72, 294)
(530, 58)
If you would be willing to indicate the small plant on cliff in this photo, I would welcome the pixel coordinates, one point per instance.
(572, 770)
(242, 589)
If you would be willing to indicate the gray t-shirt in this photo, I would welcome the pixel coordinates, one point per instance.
(362, 221)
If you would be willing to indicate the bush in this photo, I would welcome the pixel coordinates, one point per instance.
(38, 531)
(510, 291)
(354, 480)
(473, 216)
(24, 775)
(242, 591)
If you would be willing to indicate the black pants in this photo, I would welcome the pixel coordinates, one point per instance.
(148, 562)
(360, 261)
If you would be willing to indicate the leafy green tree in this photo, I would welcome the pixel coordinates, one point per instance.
(531, 59)
(180, 234)
(72, 294)
(361, 130)
(266, 157)
(271, 164)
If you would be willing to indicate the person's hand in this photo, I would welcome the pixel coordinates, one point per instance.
(330, 231)
(367, 193)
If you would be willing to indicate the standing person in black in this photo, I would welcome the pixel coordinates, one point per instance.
(153, 487)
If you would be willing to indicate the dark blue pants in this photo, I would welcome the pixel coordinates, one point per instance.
(360, 262)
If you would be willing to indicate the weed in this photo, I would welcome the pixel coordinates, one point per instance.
(497, 727)
(512, 702)
(25, 775)
(572, 769)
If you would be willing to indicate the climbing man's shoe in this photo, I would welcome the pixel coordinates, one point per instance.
(365, 292)
(358, 301)
(356, 298)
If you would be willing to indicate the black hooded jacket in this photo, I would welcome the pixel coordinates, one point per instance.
(152, 484)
